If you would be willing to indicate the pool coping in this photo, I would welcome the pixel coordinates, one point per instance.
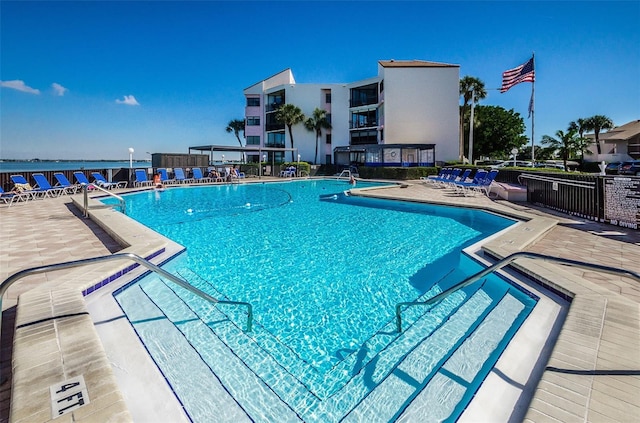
(599, 321)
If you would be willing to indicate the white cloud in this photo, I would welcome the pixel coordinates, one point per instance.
(58, 89)
(128, 100)
(16, 84)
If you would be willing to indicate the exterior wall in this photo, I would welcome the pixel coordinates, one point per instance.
(421, 105)
(307, 97)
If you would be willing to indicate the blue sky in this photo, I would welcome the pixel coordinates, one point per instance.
(100, 77)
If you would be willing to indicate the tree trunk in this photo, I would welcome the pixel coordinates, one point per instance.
(291, 137)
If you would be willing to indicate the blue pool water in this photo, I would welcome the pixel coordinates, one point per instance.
(324, 272)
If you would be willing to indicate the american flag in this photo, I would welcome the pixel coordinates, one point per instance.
(523, 73)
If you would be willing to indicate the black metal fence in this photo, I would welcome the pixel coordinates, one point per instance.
(610, 199)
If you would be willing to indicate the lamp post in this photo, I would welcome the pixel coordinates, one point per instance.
(223, 159)
(264, 160)
(514, 151)
(298, 167)
(130, 162)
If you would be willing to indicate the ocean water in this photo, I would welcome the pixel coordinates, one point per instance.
(29, 166)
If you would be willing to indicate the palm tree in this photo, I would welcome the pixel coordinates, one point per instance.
(316, 123)
(235, 126)
(467, 85)
(582, 144)
(596, 124)
(289, 115)
(564, 143)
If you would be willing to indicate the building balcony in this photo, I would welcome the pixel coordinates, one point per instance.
(363, 125)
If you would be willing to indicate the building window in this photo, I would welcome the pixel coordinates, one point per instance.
(364, 137)
(362, 96)
(275, 139)
(253, 140)
(328, 138)
(327, 98)
(329, 118)
(253, 101)
(253, 120)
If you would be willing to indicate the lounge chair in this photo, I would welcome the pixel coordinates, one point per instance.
(24, 187)
(13, 197)
(103, 183)
(141, 179)
(289, 172)
(64, 183)
(431, 179)
(81, 178)
(217, 179)
(164, 177)
(462, 178)
(481, 183)
(198, 177)
(42, 184)
(179, 173)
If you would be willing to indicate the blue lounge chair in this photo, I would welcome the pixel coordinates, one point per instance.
(42, 184)
(450, 177)
(481, 183)
(461, 178)
(64, 183)
(13, 197)
(141, 178)
(24, 187)
(198, 177)
(103, 183)
(81, 178)
(431, 179)
(179, 173)
(164, 177)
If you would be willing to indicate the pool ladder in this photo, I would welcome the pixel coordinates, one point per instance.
(500, 264)
(121, 256)
(346, 173)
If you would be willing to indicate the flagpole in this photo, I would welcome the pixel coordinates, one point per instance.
(533, 115)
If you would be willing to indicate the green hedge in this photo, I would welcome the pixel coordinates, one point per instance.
(400, 173)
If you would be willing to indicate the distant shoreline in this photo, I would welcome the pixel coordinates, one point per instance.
(17, 166)
(68, 161)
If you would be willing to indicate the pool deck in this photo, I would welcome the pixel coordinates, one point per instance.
(593, 373)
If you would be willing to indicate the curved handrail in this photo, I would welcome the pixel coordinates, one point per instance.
(119, 256)
(85, 191)
(500, 264)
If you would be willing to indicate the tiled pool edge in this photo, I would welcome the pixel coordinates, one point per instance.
(55, 338)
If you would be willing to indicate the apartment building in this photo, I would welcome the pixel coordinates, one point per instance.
(407, 115)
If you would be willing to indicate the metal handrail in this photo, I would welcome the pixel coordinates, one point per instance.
(500, 264)
(85, 191)
(119, 256)
(561, 181)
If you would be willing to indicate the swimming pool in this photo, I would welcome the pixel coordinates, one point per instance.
(323, 272)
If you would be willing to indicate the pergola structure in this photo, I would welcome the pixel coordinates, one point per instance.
(248, 149)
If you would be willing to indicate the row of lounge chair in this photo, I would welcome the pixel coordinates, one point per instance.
(42, 188)
(179, 177)
(461, 181)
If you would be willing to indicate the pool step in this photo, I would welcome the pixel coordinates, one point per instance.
(410, 363)
(428, 378)
(233, 382)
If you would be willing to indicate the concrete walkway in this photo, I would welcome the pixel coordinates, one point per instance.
(594, 374)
